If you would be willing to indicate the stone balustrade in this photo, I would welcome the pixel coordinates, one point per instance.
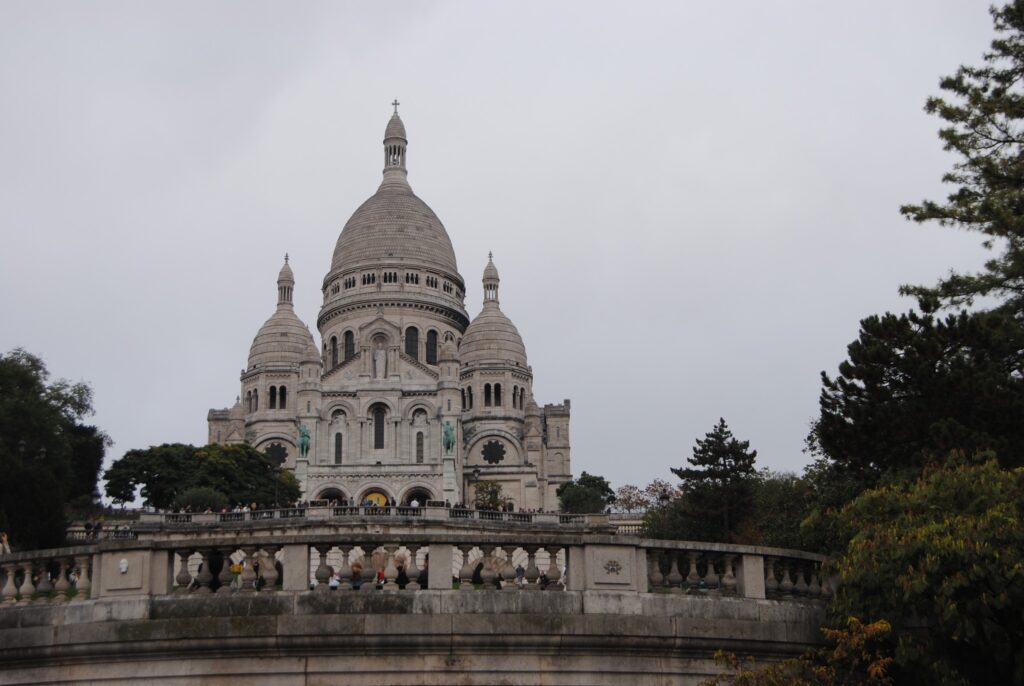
(319, 556)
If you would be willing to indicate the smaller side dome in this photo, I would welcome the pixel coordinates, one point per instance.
(283, 339)
(492, 337)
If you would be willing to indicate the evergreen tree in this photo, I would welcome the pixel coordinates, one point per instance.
(984, 116)
(717, 487)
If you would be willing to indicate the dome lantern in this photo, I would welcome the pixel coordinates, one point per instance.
(490, 281)
(285, 284)
(395, 144)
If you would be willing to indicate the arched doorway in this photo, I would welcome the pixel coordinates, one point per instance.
(375, 496)
(331, 494)
(420, 495)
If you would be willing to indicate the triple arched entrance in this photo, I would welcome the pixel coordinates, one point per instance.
(377, 496)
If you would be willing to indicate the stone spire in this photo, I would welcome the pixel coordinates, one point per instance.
(395, 143)
(490, 281)
(285, 284)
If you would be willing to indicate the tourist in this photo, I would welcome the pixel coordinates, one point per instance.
(357, 575)
(403, 578)
(5, 546)
(236, 575)
(414, 503)
(334, 583)
(543, 581)
(520, 575)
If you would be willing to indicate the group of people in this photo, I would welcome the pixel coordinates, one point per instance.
(401, 578)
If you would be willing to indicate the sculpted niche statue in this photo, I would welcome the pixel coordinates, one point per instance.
(380, 361)
(303, 441)
(449, 438)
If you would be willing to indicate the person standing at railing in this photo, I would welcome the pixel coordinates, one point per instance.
(424, 577)
(5, 546)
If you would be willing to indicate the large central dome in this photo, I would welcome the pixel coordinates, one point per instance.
(394, 225)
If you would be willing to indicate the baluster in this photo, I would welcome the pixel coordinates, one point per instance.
(654, 575)
(466, 572)
(710, 575)
(487, 573)
(532, 573)
(554, 573)
(84, 583)
(826, 586)
(800, 587)
(814, 588)
(771, 584)
(44, 586)
(411, 570)
(390, 571)
(268, 569)
(692, 577)
(184, 578)
(786, 586)
(248, 570)
(509, 584)
(63, 584)
(225, 577)
(323, 572)
(9, 593)
(25, 590)
(344, 570)
(205, 577)
(674, 580)
(729, 576)
(369, 573)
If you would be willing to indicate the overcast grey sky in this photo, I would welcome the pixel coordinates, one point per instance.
(691, 204)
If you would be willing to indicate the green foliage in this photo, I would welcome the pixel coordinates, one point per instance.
(942, 560)
(46, 456)
(779, 503)
(199, 498)
(488, 495)
(240, 472)
(915, 387)
(717, 488)
(860, 654)
(984, 129)
(586, 495)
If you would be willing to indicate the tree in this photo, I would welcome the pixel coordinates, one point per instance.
(942, 560)
(46, 456)
(630, 498)
(585, 495)
(487, 495)
(240, 472)
(660, 492)
(984, 128)
(779, 503)
(199, 498)
(915, 387)
(717, 488)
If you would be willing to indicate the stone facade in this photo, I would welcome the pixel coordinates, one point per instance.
(400, 365)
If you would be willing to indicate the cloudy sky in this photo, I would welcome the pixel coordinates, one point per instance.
(691, 204)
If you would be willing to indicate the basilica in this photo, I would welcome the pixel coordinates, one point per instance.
(406, 398)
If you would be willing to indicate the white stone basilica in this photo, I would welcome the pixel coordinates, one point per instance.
(407, 398)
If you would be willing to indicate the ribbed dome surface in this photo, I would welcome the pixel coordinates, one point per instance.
(395, 129)
(283, 339)
(492, 337)
(394, 225)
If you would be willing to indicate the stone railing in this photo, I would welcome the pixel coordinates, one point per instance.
(320, 556)
(336, 512)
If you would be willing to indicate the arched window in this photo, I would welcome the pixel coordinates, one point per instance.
(248, 401)
(337, 448)
(487, 395)
(463, 398)
(379, 415)
(469, 397)
(515, 397)
(282, 397)
(431, 347)
(497, 395)
(273, 398)
(412, 342)
(334, 352)
(419, 447)
(255, 401)
(350, 345)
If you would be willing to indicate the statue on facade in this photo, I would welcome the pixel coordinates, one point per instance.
(303, 441)
(449, 438)
(380, 362)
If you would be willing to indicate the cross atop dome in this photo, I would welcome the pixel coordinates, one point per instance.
(396, 104)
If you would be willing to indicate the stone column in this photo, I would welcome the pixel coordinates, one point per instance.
(63, 584)
(205, 577)
(509, 572)
(674, 579)
(369, 575)
(439, 576)
(728, 576)
(184, 578)
(84, 583)
(26, 589)
(344, 571)
(752, 576)
(692, 577)
(268, 569)
(390, 571)
(487, 573)
(466, 572)
(411, 570)
(323, 573)
(295, 561)
(554, 573)
(248, 573)
(532, 573)
(44, 586)
(771, 584)
(786, 585)
(710, 574)
(654, 575)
